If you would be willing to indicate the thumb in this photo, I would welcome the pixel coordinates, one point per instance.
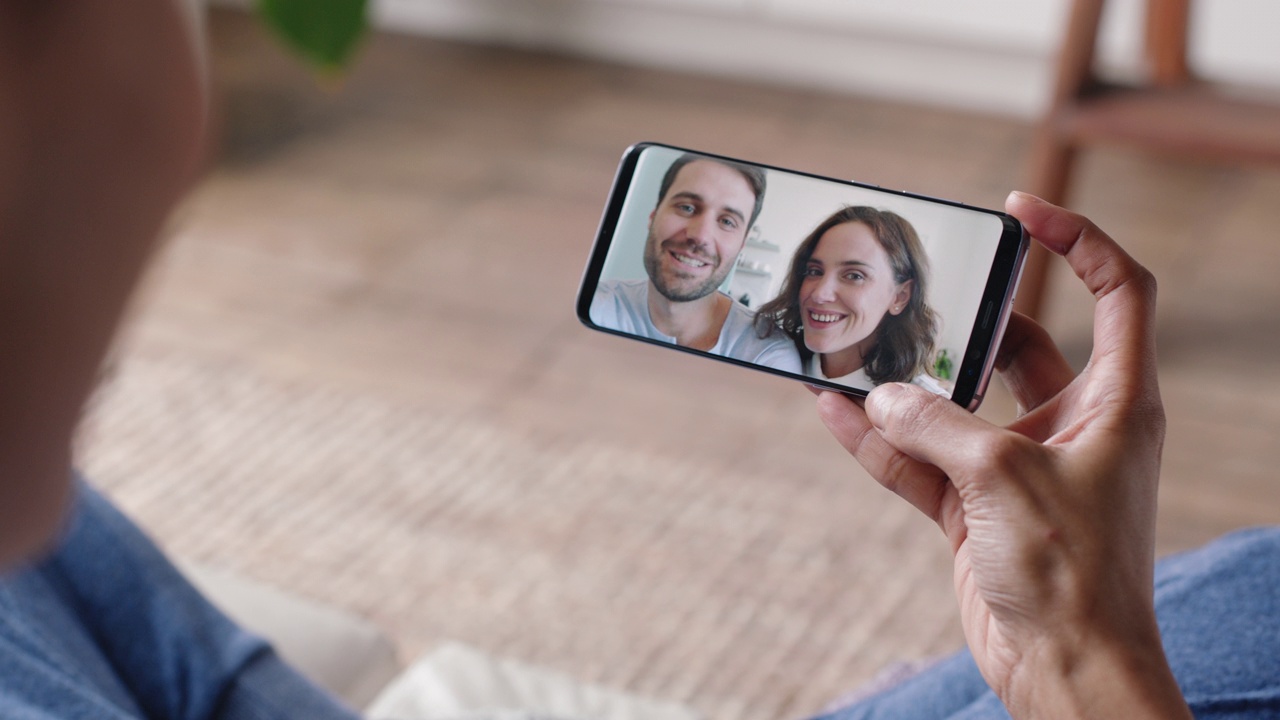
(929, 427)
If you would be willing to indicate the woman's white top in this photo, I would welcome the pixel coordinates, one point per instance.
(858, 378)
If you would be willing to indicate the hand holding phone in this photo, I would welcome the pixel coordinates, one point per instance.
(842, 285)
(1052, 518)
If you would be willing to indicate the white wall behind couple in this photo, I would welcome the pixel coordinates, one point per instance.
(986, 55)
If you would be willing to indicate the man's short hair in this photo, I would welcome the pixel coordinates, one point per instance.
(754, 176)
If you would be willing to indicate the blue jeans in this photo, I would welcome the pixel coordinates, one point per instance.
(106, 628)
(1219, 614)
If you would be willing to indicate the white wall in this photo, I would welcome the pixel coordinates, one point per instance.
(986, 55)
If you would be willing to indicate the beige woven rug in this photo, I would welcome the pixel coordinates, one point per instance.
(744, 597)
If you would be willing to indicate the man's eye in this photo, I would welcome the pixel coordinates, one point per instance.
(729, 223)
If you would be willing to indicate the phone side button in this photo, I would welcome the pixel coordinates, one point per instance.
(986, 315)
(933, 198)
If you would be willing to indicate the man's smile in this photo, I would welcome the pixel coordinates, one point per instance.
(688, 260)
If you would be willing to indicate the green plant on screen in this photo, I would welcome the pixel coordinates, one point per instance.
(943, 366)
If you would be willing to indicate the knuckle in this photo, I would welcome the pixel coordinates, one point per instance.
(858, 440)
(1104, 265)
(1001, 453)
(1145, 414)
(919, 484)
(1088, 231)
(897, 468)
(1144, 281)
(1138, 278)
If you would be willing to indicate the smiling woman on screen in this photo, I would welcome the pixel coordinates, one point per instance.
(854, 301)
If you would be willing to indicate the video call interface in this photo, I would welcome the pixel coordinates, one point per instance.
(809, 277)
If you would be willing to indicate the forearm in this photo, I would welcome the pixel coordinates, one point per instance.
(101, 120)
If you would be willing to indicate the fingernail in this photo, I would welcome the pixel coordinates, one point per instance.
(880, 402)
(1028, 197)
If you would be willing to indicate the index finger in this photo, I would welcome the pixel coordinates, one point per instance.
(919, 483)
(1124, 319)
(1032, 366)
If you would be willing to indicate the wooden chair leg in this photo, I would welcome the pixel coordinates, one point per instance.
(1168, 23)
(1051, 166)
(1052, 155)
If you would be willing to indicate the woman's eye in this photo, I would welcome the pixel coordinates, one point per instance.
(855, 277)
(812, 272)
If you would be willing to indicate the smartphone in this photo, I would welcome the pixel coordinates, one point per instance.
(840, 284)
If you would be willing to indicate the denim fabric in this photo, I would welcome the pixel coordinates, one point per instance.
(1219, 614)
(106, 628)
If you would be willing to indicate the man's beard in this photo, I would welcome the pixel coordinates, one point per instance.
(653, 266)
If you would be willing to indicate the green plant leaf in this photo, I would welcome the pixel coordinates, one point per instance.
(324, 32)
(943, 366)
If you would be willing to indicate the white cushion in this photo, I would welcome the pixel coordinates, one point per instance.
(457, 681)
(343, 653)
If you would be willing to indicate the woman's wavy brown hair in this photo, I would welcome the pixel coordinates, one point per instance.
(904, 341)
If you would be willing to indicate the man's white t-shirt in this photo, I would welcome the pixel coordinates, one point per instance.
(624, 305)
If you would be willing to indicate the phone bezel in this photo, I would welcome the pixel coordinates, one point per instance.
(974, 370)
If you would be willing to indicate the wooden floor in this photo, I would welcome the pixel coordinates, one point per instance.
(416, 236)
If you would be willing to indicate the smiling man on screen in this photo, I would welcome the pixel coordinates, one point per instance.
(705, 208)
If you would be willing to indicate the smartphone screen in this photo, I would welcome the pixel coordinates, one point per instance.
(840, 284)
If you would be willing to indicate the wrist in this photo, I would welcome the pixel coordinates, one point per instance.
(1095, 678)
